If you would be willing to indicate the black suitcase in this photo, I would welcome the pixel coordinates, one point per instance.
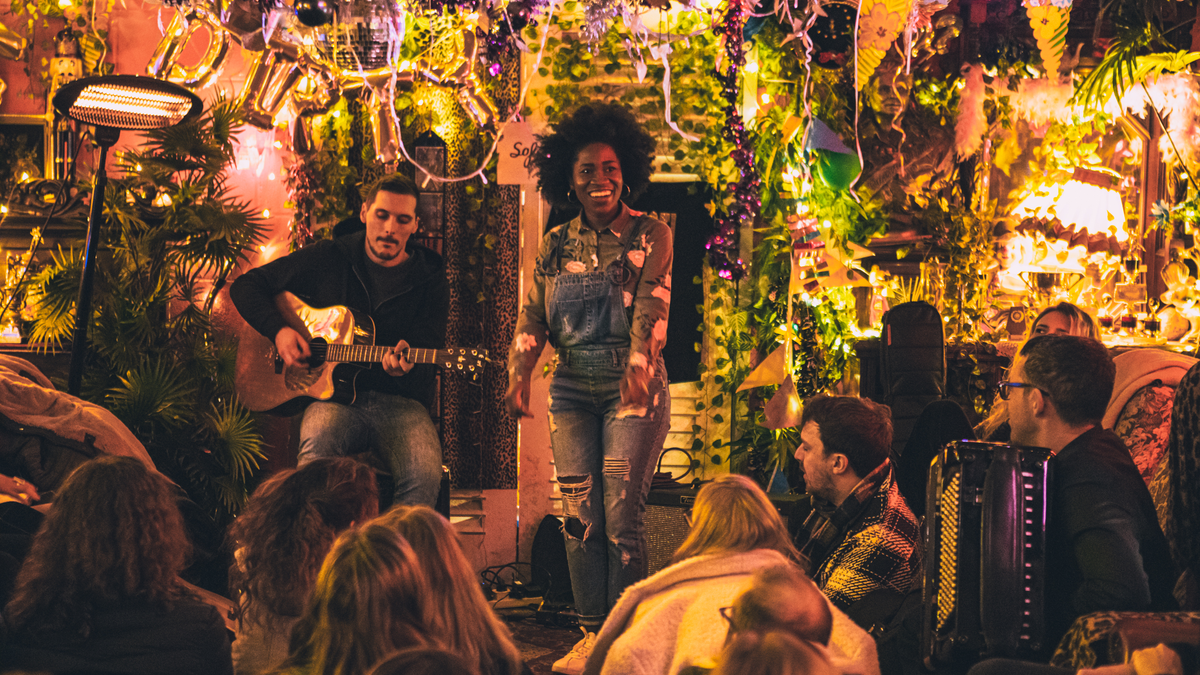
(985, 553)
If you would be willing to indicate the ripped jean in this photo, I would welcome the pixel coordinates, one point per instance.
(606, 544)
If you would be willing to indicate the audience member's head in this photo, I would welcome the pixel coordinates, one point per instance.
(843, 439)
(783, 598)
(114, 534)
(772, 653)
(371, 598)
(1064, 319)
(461, 616)
(1075, 373)
(858, 428)
(289, 525)
(733, 515)
(424, 661)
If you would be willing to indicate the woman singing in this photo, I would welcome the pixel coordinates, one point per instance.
(601, 292)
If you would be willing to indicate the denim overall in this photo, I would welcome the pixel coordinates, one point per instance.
(593, 450)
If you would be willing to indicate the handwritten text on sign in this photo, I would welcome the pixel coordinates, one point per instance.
(517, 146)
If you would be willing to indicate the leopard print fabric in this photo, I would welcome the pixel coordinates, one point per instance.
(1182, 526)
(479, 438)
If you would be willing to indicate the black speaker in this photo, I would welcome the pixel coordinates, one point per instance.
(549, 557)
(667, 527)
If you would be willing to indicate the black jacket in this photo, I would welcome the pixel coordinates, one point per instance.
(333, 272)
(1105, 548)
(137, 639)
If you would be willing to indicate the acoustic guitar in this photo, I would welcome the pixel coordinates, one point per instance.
(342, 342)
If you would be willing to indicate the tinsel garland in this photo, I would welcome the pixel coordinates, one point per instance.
(504, 37)
(723, 245)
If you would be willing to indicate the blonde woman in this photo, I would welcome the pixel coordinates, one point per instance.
(371, 599)
(679, 616)
(461, 616)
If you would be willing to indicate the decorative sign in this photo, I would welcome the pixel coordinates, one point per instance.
(516, 149)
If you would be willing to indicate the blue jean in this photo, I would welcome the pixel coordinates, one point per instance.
(397, 429)
(606, 545)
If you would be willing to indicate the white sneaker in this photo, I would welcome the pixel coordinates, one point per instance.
(573, 662)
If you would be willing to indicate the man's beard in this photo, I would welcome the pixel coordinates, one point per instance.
(386, 255)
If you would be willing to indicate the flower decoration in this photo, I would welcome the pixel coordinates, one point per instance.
(879, 23)
(878, 28)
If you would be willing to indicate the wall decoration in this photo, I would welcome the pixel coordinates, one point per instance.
(1049, 20)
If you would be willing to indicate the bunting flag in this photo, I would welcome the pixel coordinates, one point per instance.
(770, 372)
(1049, 21)
(834, 162)
(816, 266)
(783, 410)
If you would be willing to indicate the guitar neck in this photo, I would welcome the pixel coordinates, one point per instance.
(375, 354)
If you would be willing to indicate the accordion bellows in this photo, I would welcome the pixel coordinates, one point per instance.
(985, 552)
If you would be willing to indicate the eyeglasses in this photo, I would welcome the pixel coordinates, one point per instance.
(1007, 387)
(727, 614)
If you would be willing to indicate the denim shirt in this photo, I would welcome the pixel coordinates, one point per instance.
(647, 294)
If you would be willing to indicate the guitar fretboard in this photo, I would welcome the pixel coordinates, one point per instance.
(371, 353)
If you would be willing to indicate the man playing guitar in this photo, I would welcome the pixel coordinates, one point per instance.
(404, 288)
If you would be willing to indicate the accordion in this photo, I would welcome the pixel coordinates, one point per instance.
(985, 552)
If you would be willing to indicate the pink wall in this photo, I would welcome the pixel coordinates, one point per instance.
(135, 29)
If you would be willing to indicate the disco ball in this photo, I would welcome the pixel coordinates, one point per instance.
(360, 35)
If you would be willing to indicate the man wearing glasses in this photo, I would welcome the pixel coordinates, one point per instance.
(1105, 548)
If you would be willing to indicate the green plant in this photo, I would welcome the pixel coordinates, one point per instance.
(174, 234)
(80, 17)
(1152, 37)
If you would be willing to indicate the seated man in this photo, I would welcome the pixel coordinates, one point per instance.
(861, 536)
(403, 287)
(1105, 548)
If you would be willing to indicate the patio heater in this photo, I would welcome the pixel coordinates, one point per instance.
(112, 104)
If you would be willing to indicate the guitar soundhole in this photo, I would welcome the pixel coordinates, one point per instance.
(300, 379)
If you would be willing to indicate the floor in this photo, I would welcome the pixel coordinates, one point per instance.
(540, 641)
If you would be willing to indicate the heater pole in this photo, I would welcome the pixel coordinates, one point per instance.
(83, 303)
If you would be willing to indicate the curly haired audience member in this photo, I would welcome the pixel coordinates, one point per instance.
(280, 541)
(371, 599)
(461, 615)
(100, 590)
(677, 617)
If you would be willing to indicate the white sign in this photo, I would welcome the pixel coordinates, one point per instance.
(517, 145)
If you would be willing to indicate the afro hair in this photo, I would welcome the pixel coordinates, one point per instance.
(607, 123)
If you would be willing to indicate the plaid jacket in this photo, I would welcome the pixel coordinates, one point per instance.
(881, 546)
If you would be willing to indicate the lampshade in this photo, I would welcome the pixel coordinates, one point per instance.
(1089, 201)
(128, 102)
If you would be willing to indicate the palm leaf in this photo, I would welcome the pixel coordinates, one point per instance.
(156, 394)
(1112, 78)
(52, 293)
(237, 445)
